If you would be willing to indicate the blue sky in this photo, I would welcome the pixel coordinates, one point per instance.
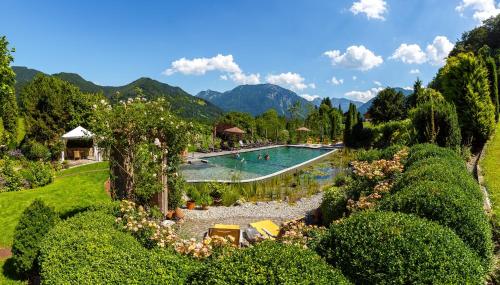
(199, 45)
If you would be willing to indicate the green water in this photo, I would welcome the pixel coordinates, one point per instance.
(248, 165)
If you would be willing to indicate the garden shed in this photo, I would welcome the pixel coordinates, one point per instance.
(79, 143)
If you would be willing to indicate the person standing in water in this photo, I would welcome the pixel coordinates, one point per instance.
(267, 157)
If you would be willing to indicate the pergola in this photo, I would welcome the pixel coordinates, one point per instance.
(79, 143)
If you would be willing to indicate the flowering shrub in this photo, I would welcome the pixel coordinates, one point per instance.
(300, 234)
(153, 233)
(376, 178)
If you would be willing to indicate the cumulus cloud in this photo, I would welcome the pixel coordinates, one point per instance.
(415, 71)
(377, 83)
(363, 96)
(434, 54)
(483, 9)
(438, 50)
(336, 81)
(292, 80)
(309, 97)
(409, 54)
(354, 77)
(373, 9)
(355, 57)
(221, 63)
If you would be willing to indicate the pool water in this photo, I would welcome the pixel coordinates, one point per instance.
(248, 165)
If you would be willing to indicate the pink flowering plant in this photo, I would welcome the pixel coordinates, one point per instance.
(299, 234)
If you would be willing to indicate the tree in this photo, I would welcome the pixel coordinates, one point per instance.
(8, 104)
(436, 121)
(464, 82)
(493, 78)
(327, 102)
(52, 106)
(335, 117)
(411, 101)
(351, 120)
(388, 105)
(487, 34)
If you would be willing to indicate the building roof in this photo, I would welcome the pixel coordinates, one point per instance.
(78, 133)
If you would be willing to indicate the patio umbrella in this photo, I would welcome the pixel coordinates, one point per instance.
(234, 130)
(300, 130)
(303, 129)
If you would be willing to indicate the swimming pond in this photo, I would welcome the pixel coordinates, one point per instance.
(251, 165)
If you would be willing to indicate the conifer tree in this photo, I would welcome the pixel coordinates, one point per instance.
(8, 104)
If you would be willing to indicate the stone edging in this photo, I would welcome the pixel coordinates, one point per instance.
(480, 179)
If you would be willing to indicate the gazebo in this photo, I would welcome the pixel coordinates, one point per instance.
(79, 144)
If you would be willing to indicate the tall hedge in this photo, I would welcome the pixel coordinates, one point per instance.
(427, 150)
(34, 224)
(395, 248)
(436, 122)
(464, 81)
(493, 78)
(87, 249)
(449, 206)
(333, 205)
(269, 263)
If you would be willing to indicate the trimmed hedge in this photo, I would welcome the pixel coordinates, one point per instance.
(333, 205)
(269, 263)
(449, 206)
(87, 249)
(34, 224)
(442, 170)
(426, 150)
(395, 248)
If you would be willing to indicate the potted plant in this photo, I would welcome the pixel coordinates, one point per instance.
(193, 195)
(204, 200)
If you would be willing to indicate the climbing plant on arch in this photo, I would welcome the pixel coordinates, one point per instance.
(145, 142)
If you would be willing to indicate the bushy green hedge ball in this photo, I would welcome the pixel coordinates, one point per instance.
(449, 206)
(87, 249)
(269, 263)
(333, 205)
(34, 224)
(394, 248)
(422, 151)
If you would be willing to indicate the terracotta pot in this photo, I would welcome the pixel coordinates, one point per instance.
(179, 214)
(190, 205)
(170, 214)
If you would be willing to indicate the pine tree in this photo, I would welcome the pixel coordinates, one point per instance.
(8, 104)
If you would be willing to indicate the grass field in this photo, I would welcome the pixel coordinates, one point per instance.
(491, 171)
(79, 186)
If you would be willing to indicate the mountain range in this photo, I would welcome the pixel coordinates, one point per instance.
(206, 105)
(364, 108)
(182, 103)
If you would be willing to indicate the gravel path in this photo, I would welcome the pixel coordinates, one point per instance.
(197, 222)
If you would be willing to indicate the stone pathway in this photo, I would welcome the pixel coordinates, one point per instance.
(197, 222)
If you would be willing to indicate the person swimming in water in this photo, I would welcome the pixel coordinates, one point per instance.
(267, 157)
(259, 157)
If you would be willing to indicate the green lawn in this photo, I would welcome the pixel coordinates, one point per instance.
(79, 186)
(491, 171)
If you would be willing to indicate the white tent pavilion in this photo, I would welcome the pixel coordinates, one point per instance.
(79, 143)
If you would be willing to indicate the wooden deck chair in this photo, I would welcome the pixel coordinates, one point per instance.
(266, 228)
(76, 155)
(309, 141)
(222, 230)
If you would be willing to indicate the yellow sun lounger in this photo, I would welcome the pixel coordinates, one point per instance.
(222, 230)
(266, 228)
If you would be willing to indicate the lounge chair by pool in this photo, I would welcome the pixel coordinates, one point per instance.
(266, 228)
(222, 230)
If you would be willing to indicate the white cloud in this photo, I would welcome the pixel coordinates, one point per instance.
(415, 71)
(242, 78)
(336, 81)
(483, 9)
(374, 9)
(434, 54)
(311, 85)
(221, 63)
(408, 88)
(354, 77)
(356, 57)
(309, 97)
(363, 96)
(292, 80)
(377, 83)
(438, 50)
(409, 54)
